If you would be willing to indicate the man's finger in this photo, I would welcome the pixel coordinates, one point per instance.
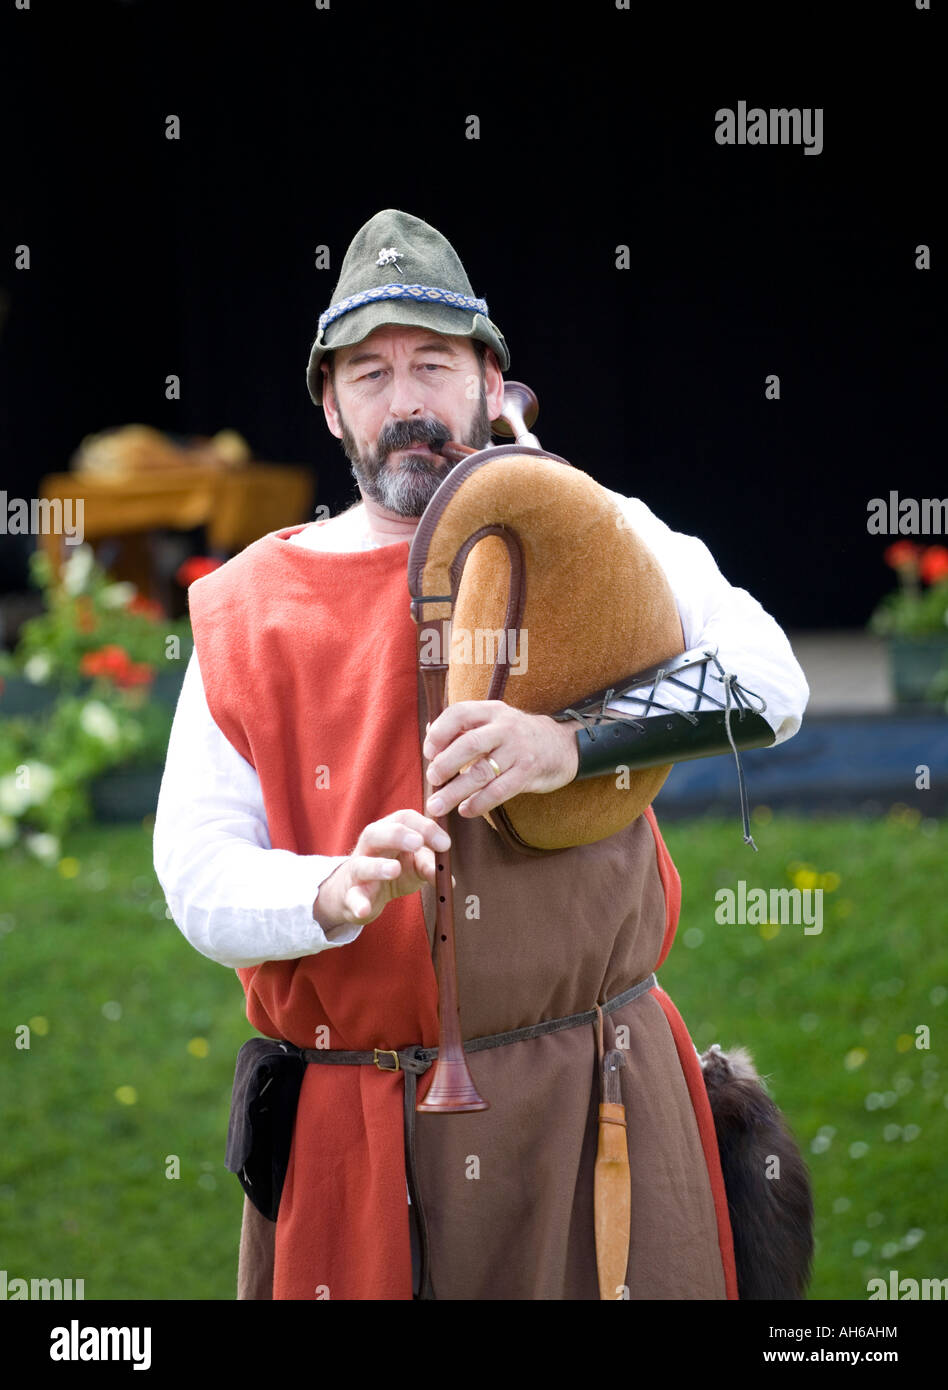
(425, 864)
(493, 793)
(395, 835)
(370, 868)
(465, 752)
(357, 902)
(466, 714)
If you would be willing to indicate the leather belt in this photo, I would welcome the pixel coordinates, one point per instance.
(414, 1060)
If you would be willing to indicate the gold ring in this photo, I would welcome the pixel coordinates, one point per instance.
(494, 766)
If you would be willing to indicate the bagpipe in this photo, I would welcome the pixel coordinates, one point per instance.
(519, 543)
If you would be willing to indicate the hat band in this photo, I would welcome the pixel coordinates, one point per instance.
(429, 294)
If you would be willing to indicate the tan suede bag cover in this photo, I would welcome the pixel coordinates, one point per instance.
(532, 548)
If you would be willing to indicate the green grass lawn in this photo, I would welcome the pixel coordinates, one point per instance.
(133, 1037)
(831, 1020)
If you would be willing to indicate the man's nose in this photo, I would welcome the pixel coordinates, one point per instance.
(406, 398)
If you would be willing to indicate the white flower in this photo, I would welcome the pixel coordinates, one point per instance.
(38, 669)
(77, 569)
(45, 847)
(8, 832)
(28, 786)
(97, 720)
(117, 595)
(41, 780)
(14, 800)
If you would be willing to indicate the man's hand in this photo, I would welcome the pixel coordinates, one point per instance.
(534, 753)
(392, 857)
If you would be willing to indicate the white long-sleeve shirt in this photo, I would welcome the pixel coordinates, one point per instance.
(240, 902)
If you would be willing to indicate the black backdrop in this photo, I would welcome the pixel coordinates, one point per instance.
(597, 124)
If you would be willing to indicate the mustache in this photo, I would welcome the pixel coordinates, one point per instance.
(402, 434)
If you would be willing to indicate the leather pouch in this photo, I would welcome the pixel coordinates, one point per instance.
(267, 1082)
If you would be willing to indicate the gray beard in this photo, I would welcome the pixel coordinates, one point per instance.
(407, 489)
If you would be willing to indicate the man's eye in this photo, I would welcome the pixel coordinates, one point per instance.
(369, 376)
(432, 366)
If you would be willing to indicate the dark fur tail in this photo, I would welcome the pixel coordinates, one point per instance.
(771, 1217)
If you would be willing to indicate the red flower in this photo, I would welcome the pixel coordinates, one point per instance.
(933, 565)
(196, 568)
(902, 555)
(135, 673)
(114, 664)
(145, 607)
(107, 661)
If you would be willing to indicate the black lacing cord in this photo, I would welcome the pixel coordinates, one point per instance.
(729, 681)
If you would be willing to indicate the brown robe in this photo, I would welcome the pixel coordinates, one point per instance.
(508, 1193)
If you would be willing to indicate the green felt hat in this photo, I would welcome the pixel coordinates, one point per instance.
(400, 270)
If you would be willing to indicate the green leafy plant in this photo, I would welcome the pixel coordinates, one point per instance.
(98, 648)
(86, 613)
(919, 607)
(47, 764)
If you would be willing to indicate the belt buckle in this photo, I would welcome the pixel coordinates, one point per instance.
(386, 1052)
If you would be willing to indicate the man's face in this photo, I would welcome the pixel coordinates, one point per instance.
(397, 393)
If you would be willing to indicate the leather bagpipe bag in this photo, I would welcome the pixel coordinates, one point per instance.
(597, 608)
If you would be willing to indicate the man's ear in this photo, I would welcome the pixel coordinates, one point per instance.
(493, 384)
(330, 409)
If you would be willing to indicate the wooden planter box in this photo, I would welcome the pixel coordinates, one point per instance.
(123, 793)
(20, 696)
(126, 794)
(914, 663)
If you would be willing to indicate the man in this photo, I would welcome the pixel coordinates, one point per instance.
(293, 844)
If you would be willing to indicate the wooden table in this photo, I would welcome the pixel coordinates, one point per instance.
(236, 506)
